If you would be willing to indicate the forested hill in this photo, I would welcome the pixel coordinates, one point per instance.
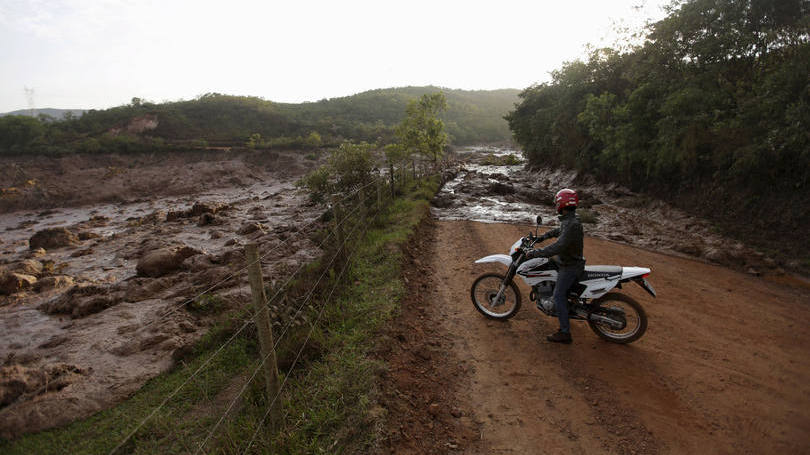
(712, 111)
(216, 119)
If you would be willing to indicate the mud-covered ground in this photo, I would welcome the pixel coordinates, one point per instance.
(110, 294)
(514, 194)
(721, 369)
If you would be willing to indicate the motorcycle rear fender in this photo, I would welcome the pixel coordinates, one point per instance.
(632, 272)
(502, 258)
(638, 275)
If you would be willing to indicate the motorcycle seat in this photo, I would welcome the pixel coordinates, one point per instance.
(593, 272)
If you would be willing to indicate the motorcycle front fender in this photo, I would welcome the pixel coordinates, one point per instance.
(502, 258)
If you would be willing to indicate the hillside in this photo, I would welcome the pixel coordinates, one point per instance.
(225, 120)
(58, 114)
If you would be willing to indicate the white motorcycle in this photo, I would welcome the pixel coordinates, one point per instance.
(613, 316)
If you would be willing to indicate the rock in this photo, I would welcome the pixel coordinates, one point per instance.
(442, 201)
(11, 282)
(82, 300)
(28, 267)
(205, 207)
(52, 238)
(434, 409)
(53, 282)
(87, 235)
(232, 242)
(37, 253)
(174, 215)
(198, 262)
(249, 228)
(163, 261)
(715, 254)
(687, 247)
(206, 219)
(501, 188)
(80, 253)
(16, 380)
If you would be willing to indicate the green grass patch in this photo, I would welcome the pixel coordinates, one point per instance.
(330, 398)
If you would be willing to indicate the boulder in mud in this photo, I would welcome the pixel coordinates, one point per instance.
(501, 188)
(205, 207)
(206, 219)
(249, 228)
(87, 235)
(17, 381)
(82, 300)
(53, 282)
(52, 238)
(443, 201)
(163, 261)
(534, 196)
(28, 267)
(11, 282)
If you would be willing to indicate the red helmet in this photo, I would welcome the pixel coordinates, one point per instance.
(566, 198)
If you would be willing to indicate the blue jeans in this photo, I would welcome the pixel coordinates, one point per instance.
(566, 277)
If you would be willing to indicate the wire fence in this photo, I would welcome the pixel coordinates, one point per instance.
(264, 359)
(358, 208)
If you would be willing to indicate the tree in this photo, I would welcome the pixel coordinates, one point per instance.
(422, 131)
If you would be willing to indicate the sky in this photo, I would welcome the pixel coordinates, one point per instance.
(94, 54)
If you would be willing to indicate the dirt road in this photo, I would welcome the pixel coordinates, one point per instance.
(723, 367)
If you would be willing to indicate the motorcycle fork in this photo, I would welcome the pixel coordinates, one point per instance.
(510, 274)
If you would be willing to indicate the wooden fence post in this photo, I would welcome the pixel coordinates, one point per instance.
(338, 215)
(391, 178)
(265, 331)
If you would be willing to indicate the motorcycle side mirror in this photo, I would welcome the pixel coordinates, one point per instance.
(539, 220)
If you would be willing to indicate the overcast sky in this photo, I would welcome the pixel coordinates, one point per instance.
(101, 53)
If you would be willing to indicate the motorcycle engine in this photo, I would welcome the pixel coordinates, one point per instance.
(543, 293)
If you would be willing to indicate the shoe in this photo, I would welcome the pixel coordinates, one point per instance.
(560, 337)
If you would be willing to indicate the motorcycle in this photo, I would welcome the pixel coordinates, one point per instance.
(613, 316)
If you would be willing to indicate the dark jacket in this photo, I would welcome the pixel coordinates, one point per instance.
(569, 242)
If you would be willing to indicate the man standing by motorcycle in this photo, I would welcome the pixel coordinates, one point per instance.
(568, 248)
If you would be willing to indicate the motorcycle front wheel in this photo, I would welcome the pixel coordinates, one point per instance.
(627, 319)
(484, 293)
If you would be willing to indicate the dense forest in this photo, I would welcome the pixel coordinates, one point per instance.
(217, 119)
(712, 111)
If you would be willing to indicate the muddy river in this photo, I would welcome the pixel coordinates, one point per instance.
(487, 192)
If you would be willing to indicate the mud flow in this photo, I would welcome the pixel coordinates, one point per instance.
(96, 298)
(514, 194)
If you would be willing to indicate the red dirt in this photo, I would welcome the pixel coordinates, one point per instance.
(722, 368)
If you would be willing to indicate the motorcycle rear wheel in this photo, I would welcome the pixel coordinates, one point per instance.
(634, 317)
(485, 289)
